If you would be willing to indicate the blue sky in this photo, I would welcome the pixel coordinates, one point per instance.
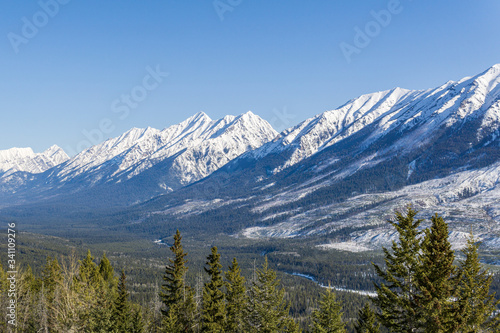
(66, 65)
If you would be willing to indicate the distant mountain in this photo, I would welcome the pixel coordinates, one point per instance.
(335, 176)
(461, 118)
(143, 163)
(437, 148)
(24, 159)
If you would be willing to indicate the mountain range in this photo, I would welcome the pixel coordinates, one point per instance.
(137, 165)
(337, 175)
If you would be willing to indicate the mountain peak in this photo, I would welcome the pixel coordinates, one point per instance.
(199, 117)
(24, 159)
(15, 153)
(56, 154)
(496, 67)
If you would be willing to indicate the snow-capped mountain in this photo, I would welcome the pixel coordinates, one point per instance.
(194, 148)
(24, 159)
(154, 160)
(350, 167)
(339, 174)
(413, 118)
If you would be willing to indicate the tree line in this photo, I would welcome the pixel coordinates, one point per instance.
(424, 289)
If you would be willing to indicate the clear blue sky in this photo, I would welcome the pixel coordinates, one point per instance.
(279, 59)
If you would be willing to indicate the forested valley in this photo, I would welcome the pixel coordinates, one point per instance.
(421, 285)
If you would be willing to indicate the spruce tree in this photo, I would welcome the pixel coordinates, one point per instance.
(367, 321)
(396, 297)
(268, 312)
(52, 280)
(236, 299)
(213, 304)
(121, 312)
(328, 318)
(474, 305)
(105, 269)
(177, 297)
(88, 272)
(137, 322)
(94, 298)
(435, 279)
(51, 277)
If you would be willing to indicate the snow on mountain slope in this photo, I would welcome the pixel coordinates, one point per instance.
(468, 199)
(197, 147)
(155, 160)
(351, 167)
(415, 115)
(323, 130)
(24, 159)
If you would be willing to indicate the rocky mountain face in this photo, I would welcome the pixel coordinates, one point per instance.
(337, 175)
(348, 168)
(25, 160)
(143, 163)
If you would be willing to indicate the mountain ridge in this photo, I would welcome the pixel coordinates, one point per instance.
(334, 172)
(186, 152)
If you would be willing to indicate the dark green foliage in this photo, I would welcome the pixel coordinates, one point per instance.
(85, 301)
(52, 279)
(434, 279)
(397, 297)
(136, 321)
(177, 297)
(105, 269)
(122, 314)
(328, 318)
(88, 272)
(474, 305)
(367, 321)
(213, 304)
(236, 299)
(268, 311)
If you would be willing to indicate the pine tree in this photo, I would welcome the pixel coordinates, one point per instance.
(88, 272)
(87, 289)
(105, 269)
(267, 311)
(367, 321)
(396, 298)
(137, 322)
(435, 279)
(474, 305)
(328, 318)
(213, 305)
(28, 286)
(121, 314)
(236, 298)
(177, 297)
(52, 279)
